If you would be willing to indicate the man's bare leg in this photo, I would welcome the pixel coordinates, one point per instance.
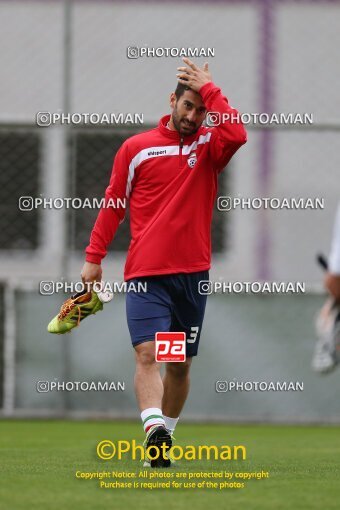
(176, 383)
(157, 397)
(148, 381)
(149, 393)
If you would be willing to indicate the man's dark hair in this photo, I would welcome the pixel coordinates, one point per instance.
(180, 89)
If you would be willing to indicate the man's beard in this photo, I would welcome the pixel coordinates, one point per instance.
(178, 123)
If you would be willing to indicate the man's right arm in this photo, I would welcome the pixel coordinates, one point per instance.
(110, 216)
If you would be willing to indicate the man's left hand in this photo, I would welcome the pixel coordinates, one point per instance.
(193, 76)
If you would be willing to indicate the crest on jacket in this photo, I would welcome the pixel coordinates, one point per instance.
(192, 159)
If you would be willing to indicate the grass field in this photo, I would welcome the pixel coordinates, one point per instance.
(39, 460)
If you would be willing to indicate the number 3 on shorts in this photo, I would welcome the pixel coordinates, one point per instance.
(193, 334)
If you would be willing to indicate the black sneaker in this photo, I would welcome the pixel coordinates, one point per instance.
(157, 437)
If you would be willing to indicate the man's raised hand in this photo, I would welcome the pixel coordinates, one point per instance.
(193, 76)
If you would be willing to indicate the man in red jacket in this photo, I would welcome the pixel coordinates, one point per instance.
(169, 175)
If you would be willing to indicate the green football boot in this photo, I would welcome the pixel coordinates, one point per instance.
(73, 311)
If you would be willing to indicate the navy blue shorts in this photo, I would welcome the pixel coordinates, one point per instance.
(171, 303)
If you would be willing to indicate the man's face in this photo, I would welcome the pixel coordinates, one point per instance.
(188, 112)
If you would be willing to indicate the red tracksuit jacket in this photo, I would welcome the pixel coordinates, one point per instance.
(171, 185)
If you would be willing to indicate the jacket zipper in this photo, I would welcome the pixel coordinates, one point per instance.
(180, 151)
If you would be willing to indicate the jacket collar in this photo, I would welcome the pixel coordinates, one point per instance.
(174, 135)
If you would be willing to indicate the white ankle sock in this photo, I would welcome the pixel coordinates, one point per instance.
(152, 416)
(170, 423)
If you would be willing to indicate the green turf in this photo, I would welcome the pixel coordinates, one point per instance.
(39, 460)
